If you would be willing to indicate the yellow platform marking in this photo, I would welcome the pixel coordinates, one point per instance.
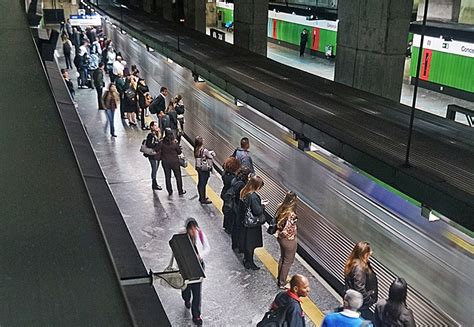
(310, 309)
(460, 242)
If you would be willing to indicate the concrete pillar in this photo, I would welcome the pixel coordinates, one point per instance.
(250, 25)
(441, 10)
(211, 14)
(195, 13)
(371, 43)
(167, 9)
(466, 15)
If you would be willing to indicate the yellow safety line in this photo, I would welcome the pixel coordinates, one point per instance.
(460, 242)
(310, 309)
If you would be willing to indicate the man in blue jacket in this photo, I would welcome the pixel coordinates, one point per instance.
(299, 287)
(349, 316)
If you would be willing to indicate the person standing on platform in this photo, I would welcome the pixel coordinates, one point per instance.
(231, 166)
(153, 142)
(68, 28)
(98, 78)
(158, 106)
(110, 101)
(204, 167)
(118, 66)
(111, 56)
(179, 107)
(170, 150)
(303, 41)
(68, 82)
(76, 39)
(349, 316)
(238, 183)
(360, 276)
(243, 155)
(252, 236)
(121, 84)
(286, 235)
(67, 48)
(142, 91)
(291, 300)
(131, 101)
(172, 118)
(394, 311)
(202, 248)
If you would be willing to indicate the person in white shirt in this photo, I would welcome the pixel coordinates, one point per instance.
(202, 248)
(118, 66)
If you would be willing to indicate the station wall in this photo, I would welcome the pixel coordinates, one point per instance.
(443, 63)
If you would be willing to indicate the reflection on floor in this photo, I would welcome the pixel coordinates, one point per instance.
(430, 101)
(232, 295)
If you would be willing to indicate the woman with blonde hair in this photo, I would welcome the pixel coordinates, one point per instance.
(251, 236)
(286, 235)
(360, 276)
(111, 100)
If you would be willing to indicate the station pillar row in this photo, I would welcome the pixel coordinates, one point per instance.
(250, 25)
(371, 44)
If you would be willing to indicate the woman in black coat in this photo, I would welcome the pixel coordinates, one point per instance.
(360, 276)
(231, 166)
(131, 101)
(393, 312)
(153, 142)
(237, 184)
(170, 151)
(251, 236)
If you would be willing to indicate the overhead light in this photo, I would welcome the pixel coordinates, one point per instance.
(169, 60)
(123, 32)
(134, 39)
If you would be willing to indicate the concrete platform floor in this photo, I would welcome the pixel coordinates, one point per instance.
(430, 101)
(232, 295)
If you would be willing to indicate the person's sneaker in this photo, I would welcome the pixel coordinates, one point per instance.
(182, 193)
(113, 135)
(197, 321)
(207, 201)
(187, 304)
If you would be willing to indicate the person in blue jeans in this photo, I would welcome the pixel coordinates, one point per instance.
(349, 316)
(111, 100)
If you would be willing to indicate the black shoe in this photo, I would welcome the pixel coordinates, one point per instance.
(182, 193)
(206, 201)
(253, 266)
(246, 264)
(187, 304)
(197, 321)
(170, 193)
(157, 187)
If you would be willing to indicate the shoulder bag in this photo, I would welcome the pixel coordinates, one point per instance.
(146, 150)
(250, 220)
(203, 163)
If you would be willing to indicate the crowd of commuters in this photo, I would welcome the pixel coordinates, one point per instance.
(243, 208)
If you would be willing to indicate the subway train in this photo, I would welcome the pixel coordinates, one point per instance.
(334, 211)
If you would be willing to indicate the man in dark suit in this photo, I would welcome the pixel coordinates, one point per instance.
(158, 106)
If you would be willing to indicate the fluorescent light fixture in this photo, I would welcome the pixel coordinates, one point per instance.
(123, 32)
(134, 39)
(169, 60)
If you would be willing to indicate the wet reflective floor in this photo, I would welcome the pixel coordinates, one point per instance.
(232, 295)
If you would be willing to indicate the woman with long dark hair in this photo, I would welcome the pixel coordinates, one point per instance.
(393, 312)
(237, 184)
(360, 276)
(252, 236)
(286, 235)
(203, 166)
(153, 142)
(231, 166)
(170, 151)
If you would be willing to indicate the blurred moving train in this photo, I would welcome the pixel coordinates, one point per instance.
(339, 206)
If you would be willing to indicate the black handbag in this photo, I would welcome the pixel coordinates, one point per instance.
(250, 220)
(272, 226)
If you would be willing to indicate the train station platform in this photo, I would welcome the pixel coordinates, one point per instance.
(430, 101)
(232, 295)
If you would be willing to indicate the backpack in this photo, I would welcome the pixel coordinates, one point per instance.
(152, 107)
(274, 318)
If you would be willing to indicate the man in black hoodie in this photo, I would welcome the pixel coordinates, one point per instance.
(294, 315)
